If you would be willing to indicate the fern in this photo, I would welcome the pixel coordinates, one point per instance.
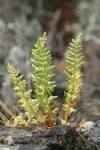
(29, 105)
(38, 111)
(73, 75)
(42, 77)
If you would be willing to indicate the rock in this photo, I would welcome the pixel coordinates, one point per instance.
(42, 138)
(89, 21)
(93, 130)
(87, 125)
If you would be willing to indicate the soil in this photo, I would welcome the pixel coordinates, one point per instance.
(43, 138)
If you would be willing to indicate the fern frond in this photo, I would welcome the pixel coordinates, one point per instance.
(29, 105)
(73, 75)
(42, 77)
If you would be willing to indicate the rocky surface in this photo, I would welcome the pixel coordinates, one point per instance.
(38, 138)
(93, 130)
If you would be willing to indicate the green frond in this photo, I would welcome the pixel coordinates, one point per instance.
(73, 75)
(29, 105)
(42, 77)
(74, 60)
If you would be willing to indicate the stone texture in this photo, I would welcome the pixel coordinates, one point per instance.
(38, 138)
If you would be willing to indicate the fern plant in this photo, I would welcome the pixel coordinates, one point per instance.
(42, 77)
(29, 105)
(73, 75)
(38, 111)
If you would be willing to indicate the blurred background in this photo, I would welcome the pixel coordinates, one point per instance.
(23, 21)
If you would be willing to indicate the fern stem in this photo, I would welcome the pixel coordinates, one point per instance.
(69, 104)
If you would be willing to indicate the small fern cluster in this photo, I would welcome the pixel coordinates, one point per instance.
(39, 110)
(36, 110)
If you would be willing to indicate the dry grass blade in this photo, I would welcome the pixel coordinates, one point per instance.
(6, 109)
(3, 118)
